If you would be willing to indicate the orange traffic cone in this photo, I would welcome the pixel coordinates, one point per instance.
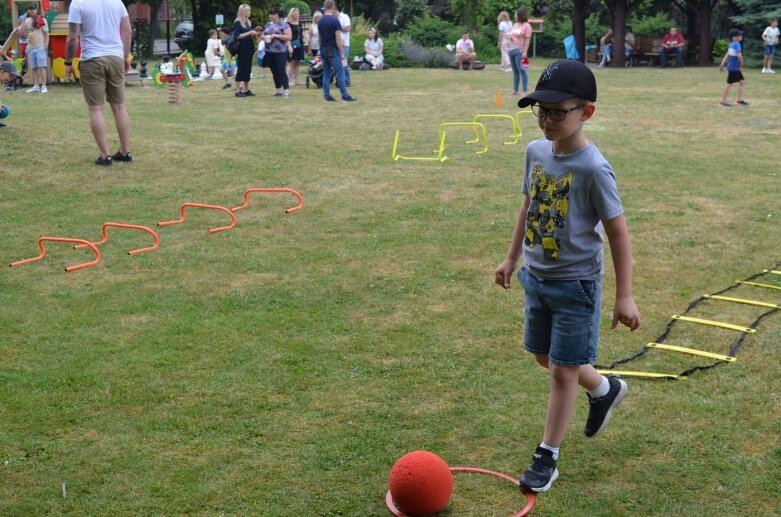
(499, 99)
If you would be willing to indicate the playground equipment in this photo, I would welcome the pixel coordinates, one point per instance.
(183, 207)
(166, 74)
(106, 226)
(744, 331)
(42, 247)
(290, 190)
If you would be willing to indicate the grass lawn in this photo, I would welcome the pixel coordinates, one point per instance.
(281, 367)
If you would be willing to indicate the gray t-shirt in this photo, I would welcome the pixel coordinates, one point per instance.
(570, 195)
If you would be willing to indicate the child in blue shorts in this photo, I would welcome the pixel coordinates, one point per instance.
(734, 60)
(570, 198)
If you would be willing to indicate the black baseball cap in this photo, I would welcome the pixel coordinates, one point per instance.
(30, 7)
(735, 32)
(560, 81)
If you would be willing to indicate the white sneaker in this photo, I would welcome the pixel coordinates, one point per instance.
(44, 89)
(771, 71)
(34, 89)
(764, 70)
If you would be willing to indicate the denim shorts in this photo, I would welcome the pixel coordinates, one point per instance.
(562, 318)
(37, 57)
(770, 50)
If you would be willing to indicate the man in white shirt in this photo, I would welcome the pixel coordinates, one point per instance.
(344, 19)
(103, 26)
(465, 51)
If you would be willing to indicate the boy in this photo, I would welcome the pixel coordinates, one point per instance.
(8, 75)
(465, 52)
(215, 50)
(570, 195)
(37, 31)
(770, 37)
(734, 60)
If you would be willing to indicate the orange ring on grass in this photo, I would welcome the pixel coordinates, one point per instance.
(530, 497)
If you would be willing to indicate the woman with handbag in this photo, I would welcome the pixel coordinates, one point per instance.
(277, 35)
(245, 35)
(295, 47)
(520, 37)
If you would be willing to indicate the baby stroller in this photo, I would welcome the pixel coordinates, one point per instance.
(315, 72)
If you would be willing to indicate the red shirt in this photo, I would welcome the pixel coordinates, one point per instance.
(669, 39)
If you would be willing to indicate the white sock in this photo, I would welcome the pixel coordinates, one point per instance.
(601, 390)
(554, 450)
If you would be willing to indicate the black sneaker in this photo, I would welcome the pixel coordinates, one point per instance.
(349, 99)
(239, 94)
(119, 157)
(3, 125)
(227, 85)
(602, 407)
(105, 162)
(542, 473)
(330, 99)
(249, 93)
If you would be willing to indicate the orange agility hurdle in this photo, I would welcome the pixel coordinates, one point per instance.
(85, 243)
(290, 190)
(129, 227)
(184, 206)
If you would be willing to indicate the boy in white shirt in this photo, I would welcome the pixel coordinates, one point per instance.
(465, 51)
(770, 37)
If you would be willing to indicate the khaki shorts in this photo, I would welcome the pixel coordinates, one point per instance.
(103, 78)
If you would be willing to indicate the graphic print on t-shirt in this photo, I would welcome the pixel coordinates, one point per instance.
(549, 204)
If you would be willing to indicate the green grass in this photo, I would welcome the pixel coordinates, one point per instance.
(280, 368)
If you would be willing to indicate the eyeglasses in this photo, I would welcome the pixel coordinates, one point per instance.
(552, 113)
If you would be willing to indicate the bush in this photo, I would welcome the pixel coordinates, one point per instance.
(719, 49)
(424, 56)
(651, 26)
(392, 51)
(430, 31)
(303, 7)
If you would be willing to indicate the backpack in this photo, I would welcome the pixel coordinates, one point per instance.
(232, 44)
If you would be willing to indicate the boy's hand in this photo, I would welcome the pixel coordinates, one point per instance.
(504, 273)
(626, 312)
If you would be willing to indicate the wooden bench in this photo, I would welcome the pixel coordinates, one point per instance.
(647, 52)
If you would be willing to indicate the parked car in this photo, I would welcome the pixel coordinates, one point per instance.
(183, 34)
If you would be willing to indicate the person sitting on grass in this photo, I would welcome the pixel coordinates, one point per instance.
(373, 48)
(734, 60)
(8, 75)
(465, 52)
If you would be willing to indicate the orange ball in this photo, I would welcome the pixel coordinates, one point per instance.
(421, 483)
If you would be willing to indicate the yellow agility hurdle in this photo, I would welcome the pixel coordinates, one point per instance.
(692, 351)
(441, 133)
(516, 129)
(772, 271)
(715, 324)
(527, 111)
(438, 158)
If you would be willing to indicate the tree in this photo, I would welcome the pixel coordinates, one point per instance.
(620, 11)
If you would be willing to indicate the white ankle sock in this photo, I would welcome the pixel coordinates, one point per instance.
(601, 390)
(554, 450)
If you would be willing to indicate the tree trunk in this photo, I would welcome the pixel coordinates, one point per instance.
(620, 12)
(579, 27)
(704, 13)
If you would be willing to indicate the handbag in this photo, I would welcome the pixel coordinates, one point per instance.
(295, 43)
(232, 44)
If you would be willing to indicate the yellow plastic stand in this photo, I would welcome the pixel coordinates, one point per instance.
(439, 158)
(624, 373)
(741, 300)
(441, 133)
(772, 271)
(516, 129)
(715, 324)
(692, 351)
